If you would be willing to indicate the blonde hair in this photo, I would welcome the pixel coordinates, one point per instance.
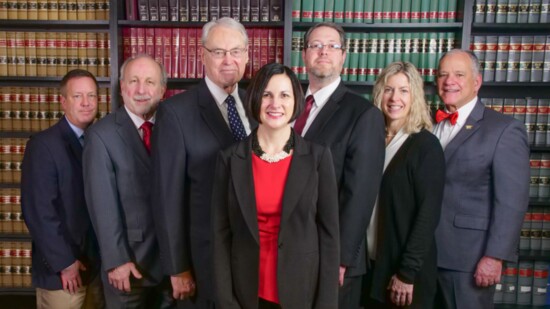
(419, 114)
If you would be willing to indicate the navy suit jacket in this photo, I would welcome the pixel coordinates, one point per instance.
(53, 205)
(486, 191)
(189, 132)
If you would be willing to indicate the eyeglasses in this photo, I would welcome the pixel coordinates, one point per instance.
(319, 46)
(219, 53)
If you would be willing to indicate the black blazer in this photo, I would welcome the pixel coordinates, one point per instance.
(53, 206)
(409, 207)
(308, 238)
(189, 132)
(354, 130)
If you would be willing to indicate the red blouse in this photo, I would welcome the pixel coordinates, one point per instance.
(269, 184)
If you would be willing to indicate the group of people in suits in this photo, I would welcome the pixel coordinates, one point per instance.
(275, 198)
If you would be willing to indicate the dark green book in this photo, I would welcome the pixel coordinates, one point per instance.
(415, 49)
(432, 57)
(348, 10)
(432, 13)
(296, 11)
(295, 52)
(338, 11)
(442, 11)
(328, 15)
(307, 10)
(406, 11)
(406, 47)
(415, 11)
(390, 50)
(451, 10)
(368, 14)
(398, 47)
(395, 15)
(377, 12)
(363, 61)
(345, 70)
(381, 55)
(318, 10)
(372, 51)
(358, 11)
(353, 54)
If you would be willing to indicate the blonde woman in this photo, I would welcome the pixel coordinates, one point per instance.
(409, 201)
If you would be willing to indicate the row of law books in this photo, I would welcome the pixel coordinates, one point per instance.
(11, 157)
(11, 219)
(513, 58)
(33, 109)
(512, 11)
(204, 10)
(523, 283)
(375, 11)
(55, 9)
(535, 230)
(53, 53)
(369, 53)
(180, 49)
(15, 264)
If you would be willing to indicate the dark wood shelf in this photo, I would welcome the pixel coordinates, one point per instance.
(176, 24)
(57, 25)
(484, 28)
(537, 148)
(17, 291)
(14, 237)
(393, 27)
(538, 201)
(44, 81)
(539, 255)
(16, 134)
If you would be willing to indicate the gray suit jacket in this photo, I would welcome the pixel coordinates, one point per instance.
(486, 191)
(117, 182)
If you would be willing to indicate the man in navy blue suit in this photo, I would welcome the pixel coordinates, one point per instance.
(65, 257)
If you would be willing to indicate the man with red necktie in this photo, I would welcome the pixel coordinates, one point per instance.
(117, 182)
(486, 188)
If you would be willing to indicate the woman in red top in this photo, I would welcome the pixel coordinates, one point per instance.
(275, 208)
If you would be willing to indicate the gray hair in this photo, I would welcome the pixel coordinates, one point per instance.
(225, 22)
(476, 66)
(163, 74)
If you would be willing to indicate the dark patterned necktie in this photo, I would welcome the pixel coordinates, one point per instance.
(235, 123)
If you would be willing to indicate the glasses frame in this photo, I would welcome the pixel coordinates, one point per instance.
(214, 52)
(320, 46)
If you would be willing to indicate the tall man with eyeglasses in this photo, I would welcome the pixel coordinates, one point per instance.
(191, 129)
(354, 130)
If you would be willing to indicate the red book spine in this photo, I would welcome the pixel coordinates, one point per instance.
(183, 53)
(256, 40)
(133, 41)
(167, 50)
(150, 41)
(279, 48)
(159, 46)
(271, 45)
(126, 49)
(264, 47)
(175, 53)
(140, 32)
(200, 67)
(248, 69)
(192, 53)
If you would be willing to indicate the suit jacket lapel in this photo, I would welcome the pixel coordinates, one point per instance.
(212, 116)
(326, 112)
(71, 139)
(241, 171)
(299, 173)
(129, 134)
(472, 124)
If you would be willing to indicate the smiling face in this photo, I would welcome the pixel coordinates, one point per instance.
(457, 83)
(80, 101)
(227, 71)
(141, 87)
(396, 100)
(324, 64)
(277, 103)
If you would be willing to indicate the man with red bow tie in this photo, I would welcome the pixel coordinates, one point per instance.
(486, 187)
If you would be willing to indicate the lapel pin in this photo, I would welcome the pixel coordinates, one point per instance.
(469, 127)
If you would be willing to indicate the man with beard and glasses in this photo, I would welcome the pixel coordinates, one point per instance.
(354, 130)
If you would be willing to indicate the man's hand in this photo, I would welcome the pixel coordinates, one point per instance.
(70, 277)
(119, 277)
(183, 285)
(341, 275)
(488, 271)
(401, 293)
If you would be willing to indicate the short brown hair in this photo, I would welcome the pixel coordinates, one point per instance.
(76, 73)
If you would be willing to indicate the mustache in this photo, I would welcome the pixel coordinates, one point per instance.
(142, 97)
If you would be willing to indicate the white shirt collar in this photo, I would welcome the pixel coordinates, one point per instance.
(322, 95)
(218, 93)
(465, 111)
(138, 121)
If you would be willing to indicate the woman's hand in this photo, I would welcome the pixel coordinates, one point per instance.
(401, 293)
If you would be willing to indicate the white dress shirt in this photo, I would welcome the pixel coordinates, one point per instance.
(220, 95)
(138, 121)
(445, 132)
(321, 97)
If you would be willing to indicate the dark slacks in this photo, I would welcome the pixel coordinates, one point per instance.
(349, 294)
(457, 289)
(151, 297)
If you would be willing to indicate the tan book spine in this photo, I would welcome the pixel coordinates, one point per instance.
(82, 55)
(72, 10)
(26, 261)
(3, 9)
(42, 115)
(53, 12)
(100, 10)
(12, 9)
(91, 52)
(12, 54)
(72, 51)
(54, 106)
(25, 101)
(32, 9)
(30, 54)
(81, 9)
(42, 8)
(34, 108)
(20, 53)
(22, 10)
(15, 110)
(51, 51)
(16, 265)
(103, 103)
(61, 47)
(5, 265)
(102, 54)
(41, 54)
(5, 206)
(3, 54)
(5, 109)
(90, 10)
(62, 9)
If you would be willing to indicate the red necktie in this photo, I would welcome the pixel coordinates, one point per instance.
(147, 128)
(302, 119)
(441, 115)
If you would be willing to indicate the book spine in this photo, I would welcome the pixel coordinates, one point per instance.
(386, 11)
(3, 55)
(395, 15)
(526, 56)
(62, 53)
(442, 11)
(546, 64)
(540, 130)
(512, 14)
(192, 53)
(525, 283)
(514, 54)
(353, 54)
(545, 12)
(271, 45)
(415, 11)
(276, 10)
(358, 13)
(338, 11)
(255, 10)
(432, 13)
(264, 46)
(296, 11)
(153, 10)
(236, 9)
(167, 56)
(279, 49)
(164, 10)
(368, 13)
(523, 11)
(203, 10)
(537, 63)
(194, 14)
(490, 11)
(530, 122)
(143, 10)
(545, 245)
(348, 10)
(502, 58)
(502, 11)
(307, 11)
(318, 10)
(540, 279)
(225, 8)
(22, 12)
(478, 48)
(424, 11)
(214, 12)
(363, 48)
(90, 10)
(264, 10)
(534, 11)
(183, 53)
(452, 10)
(256, 51)
(295, 52)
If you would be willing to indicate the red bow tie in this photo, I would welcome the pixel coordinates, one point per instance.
(442, 115)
